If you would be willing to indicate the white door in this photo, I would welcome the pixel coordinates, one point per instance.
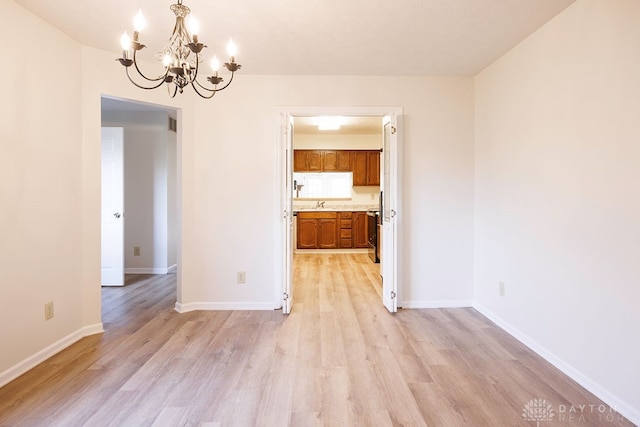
(389, 214)
(287, 214)
(112, 248)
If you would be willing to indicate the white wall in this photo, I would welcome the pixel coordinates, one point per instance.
(558, 195)
(172, 199)
(338, 141)
(148, 176)
(40, 190)
(237, 228)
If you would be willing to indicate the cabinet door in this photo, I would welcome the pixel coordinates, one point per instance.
(328, 233)
(314, 161)
(343, 161)
(373, 168)
(307, 233)
(359, 159)
(300, 161)
(329, 160)
(360, 237)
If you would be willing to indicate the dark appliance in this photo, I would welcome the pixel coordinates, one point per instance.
(372, 234)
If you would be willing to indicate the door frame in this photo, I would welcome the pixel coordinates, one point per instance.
(282, 142)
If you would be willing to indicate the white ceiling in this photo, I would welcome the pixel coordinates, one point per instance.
(322, 37)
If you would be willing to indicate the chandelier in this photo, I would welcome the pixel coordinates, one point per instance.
(181, 58)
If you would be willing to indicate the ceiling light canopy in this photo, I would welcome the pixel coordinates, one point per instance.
(181, 58)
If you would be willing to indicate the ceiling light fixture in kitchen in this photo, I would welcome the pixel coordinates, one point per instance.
(330, 122)
(181, 58)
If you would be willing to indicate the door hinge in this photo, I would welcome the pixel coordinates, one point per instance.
(393, 130)
(393, 295)
(285, 296)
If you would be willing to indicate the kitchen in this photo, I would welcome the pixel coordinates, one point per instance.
(336, 191)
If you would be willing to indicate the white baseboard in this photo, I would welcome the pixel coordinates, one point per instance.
(438, 304)
(623, 408)
(222, 306)
(34, 360)
(153, 270)
(172, 269)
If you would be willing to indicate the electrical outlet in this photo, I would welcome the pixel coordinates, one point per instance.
(136, 251)
(48, 310)
(501, 289)
(242, 278)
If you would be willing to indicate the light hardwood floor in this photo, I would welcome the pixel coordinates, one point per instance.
(338, 359)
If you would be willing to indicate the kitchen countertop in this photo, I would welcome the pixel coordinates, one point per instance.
(334, 207)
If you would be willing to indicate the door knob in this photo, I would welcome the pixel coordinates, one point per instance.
(117, 215)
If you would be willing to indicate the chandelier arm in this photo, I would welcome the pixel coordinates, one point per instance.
(205, 96)
(215, 90)
(161, 77)
(140, 86)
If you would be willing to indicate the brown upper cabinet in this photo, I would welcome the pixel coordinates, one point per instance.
(321, 161)
(373, 167)
(366, 167)
(365, 164)
(307, 160)
(337, 160)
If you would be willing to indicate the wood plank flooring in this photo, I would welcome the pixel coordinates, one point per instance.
(338, 359)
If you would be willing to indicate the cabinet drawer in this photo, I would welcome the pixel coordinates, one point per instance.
(345, 223)
(344, 215)
(346, 243)
(345, 233)
(317, 215)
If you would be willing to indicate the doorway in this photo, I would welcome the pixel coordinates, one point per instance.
(388, 118)
(149, 226)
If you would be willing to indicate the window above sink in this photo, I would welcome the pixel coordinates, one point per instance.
(325, 185)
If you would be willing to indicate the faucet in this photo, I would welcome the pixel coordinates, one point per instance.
(319, 204)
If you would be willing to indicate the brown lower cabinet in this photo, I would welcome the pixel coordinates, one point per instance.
(331, 230)
(360, 235)
(317, 230)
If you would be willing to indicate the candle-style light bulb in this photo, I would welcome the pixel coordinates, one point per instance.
(193, 25)
(125, 42)
(166, 60)
(215, 64)
(139, 22)
(232, 49)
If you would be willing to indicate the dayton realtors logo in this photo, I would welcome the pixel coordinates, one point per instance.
(538, 410)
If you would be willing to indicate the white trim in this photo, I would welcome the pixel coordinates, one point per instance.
(44, 354)
(173, 269)
(223, 306)
(153, 270)
(622, 407)
(437, 304)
